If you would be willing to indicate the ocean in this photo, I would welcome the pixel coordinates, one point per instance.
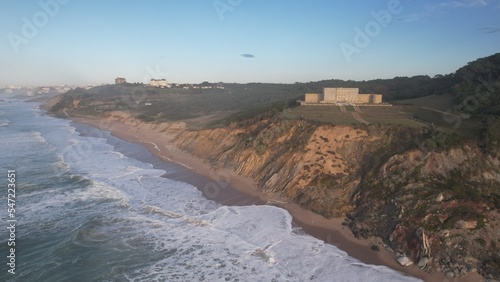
(86, 210)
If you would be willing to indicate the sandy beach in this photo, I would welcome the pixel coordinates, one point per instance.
(228, 188)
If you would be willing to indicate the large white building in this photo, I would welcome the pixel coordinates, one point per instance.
(332, 95)
(159, 83)
(342, 95)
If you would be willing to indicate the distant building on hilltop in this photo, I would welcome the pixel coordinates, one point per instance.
(342, 95)
(370, 98)
(314, 98)
(159, 83)
(119, 80)
(333, 95)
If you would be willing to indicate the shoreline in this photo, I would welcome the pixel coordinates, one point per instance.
(228, 188)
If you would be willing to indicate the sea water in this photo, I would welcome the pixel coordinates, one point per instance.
(86, 212)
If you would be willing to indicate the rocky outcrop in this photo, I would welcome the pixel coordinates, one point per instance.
(404, 260)
(445, 201)
(425, 249)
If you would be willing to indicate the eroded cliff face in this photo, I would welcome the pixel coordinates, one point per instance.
(317, 166)
(438, 208)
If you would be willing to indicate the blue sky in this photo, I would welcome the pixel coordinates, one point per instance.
(52, 42)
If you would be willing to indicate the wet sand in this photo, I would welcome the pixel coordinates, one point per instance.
(228, 188)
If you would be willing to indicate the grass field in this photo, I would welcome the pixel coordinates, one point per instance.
(333, 115)
(389, 115)
(349, 108)
(324, 114)
(406, 115)
(438, 102)
(448, 121)
(435, 110)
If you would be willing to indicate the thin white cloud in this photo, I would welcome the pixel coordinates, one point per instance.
(445, 7)
(461, 4)
(471, 3)
(415, 17)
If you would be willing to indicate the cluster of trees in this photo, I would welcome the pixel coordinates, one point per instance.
(478, 87)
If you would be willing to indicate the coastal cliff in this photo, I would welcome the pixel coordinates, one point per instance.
(318, 166)
(430, 196)
(432, 199)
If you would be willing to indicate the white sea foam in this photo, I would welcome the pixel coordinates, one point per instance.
(60, 166)
(38, 137)
(156, 146)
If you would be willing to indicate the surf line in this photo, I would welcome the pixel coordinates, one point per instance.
(156, 146)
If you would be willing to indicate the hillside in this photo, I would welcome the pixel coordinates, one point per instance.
(422, 175)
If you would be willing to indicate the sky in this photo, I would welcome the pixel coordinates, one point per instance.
(75, 42)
